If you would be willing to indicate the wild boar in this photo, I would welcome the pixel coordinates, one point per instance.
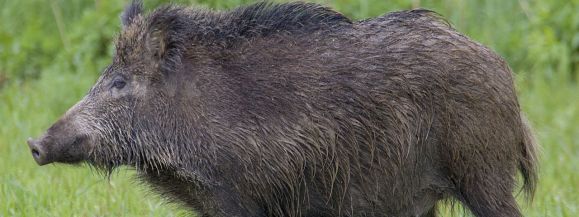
(295, 110)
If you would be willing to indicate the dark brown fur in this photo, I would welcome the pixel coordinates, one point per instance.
(294, 110)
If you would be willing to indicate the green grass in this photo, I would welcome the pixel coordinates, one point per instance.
(44, 69)
(554, 111)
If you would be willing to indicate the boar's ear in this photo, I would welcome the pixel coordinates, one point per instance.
(131, 12)
(164, 39)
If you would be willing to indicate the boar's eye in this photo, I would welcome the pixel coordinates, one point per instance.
(119, 83)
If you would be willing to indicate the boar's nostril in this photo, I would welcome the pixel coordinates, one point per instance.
(35, 153)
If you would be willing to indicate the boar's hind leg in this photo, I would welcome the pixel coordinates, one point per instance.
(489, 196)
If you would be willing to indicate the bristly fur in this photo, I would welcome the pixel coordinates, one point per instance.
(167, 28)
(294, 110)
(242, 24)
(131, 12)
(263, 19)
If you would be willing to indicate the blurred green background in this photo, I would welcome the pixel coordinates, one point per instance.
(51, 52)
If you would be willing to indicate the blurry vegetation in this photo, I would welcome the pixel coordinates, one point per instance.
(51, 51)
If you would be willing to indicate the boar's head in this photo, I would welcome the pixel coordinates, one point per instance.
(127, 114)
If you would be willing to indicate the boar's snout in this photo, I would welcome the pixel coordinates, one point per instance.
(38, 152)
(61, 143)
(67, 150)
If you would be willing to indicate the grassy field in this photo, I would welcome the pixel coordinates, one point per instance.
(52, 51)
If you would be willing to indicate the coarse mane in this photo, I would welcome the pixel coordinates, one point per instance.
(229, 27)
(262, 19)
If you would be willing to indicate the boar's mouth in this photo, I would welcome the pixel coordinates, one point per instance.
(46, 150)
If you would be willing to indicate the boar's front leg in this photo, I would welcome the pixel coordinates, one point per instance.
(224, 203)
(208, 198)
